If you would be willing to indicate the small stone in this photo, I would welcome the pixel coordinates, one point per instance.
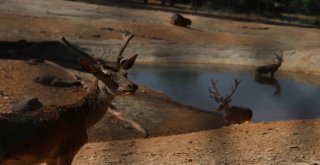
(2, 93)
(96, 35)
(8, 76)
(27, 104)
(56, 81)
(293, 147)
(295, 133)
(35, 61)
(269, 149)
(152, 154)
(130, 144)
(128, 153)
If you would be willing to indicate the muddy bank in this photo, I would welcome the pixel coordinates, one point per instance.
(301, 60)
(287, 143)
(152, 109)
(208, 40)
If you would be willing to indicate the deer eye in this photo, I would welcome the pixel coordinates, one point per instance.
(125, 74)
(110, 75)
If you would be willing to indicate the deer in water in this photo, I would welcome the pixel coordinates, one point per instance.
(272, 68)
(54, 134)
(232, 114)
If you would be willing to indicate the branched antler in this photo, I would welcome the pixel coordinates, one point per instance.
(279, 55)
(126, 39)
(74, 49)
(215, 93)
(217, 96)
(118, 63)
(234, 88)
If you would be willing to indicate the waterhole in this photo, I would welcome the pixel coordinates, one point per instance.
(288, 96)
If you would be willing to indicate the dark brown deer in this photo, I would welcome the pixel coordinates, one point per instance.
(232, 114)
(54, 134)
(272, 68)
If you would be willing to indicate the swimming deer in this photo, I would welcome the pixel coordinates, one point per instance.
(232, 114)
(272, 68)
(54, 134)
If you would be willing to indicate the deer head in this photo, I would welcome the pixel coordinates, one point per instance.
(112, 74)
(223, 101)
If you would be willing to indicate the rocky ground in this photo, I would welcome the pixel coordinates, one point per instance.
(178, 134)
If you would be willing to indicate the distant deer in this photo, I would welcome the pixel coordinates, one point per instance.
(272, 68)
(232, 114)
(54, 134)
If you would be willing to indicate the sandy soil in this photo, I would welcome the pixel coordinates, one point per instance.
(174, 128)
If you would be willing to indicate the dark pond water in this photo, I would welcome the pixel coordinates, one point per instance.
(289, 96)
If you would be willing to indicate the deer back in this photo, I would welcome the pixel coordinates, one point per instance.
(238, 114)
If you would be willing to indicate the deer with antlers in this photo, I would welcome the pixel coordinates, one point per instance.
(272, 68)
(54, 134)
(232, 114)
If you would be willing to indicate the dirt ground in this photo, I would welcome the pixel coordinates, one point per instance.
(178, 134)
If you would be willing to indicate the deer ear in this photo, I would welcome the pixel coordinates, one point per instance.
(87, 65)
(128, 63)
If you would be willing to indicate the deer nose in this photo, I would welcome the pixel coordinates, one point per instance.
(133, 86)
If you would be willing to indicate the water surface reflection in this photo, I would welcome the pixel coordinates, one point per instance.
(188, 84)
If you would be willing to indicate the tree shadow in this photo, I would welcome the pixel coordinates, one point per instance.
(130, 4)
(53, 51)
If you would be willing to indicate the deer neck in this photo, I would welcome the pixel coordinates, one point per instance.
(226, 108)
(92, 107)
(103, 99)
(279, 64)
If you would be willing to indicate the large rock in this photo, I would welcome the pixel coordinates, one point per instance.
(27, 104)
(55, 81)
(179, 20)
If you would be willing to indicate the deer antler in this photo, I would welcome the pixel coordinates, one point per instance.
(234, 88)
(74, 49)
(279, 55)
(215, 94)
(126, 39)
